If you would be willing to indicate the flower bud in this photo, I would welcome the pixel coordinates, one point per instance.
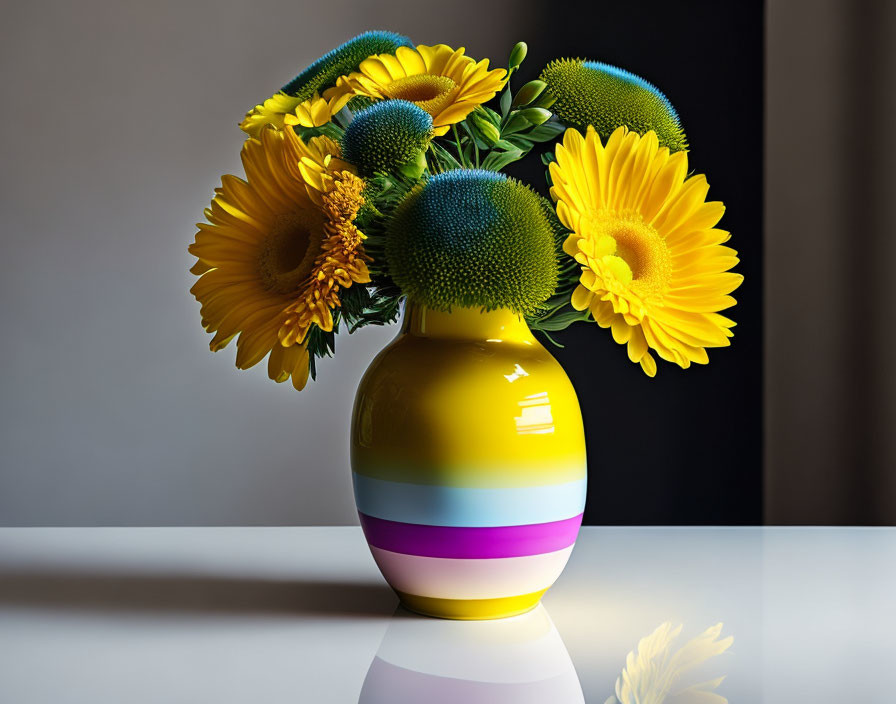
(489, 132)
(414, 169)
(536, 116)
(528, 93)
(517, 55)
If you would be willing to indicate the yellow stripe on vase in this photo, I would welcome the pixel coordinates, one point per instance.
(471, 609)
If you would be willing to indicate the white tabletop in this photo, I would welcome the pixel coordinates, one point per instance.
(301, 615)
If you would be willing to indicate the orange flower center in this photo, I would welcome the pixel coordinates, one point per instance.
(340, 261)
(641, 247)
(431, 93)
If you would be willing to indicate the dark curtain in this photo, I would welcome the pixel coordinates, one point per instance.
(830, 247)
(685, 447)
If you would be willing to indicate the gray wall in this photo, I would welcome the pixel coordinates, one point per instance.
(121, 116)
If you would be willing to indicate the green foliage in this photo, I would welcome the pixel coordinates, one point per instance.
(557, 312)
(492, 140)
(329, 129)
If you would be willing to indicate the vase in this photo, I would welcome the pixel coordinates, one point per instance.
(468, 464)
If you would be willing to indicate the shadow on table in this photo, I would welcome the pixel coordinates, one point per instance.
(77, 591)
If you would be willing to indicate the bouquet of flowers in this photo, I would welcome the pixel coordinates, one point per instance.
(375, 176)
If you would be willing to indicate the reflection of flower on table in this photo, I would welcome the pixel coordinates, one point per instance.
(652, 675)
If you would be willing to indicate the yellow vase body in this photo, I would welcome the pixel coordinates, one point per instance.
(468, 459)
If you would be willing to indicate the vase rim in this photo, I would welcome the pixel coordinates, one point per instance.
(471, 323)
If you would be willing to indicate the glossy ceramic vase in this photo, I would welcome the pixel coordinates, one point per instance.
(468, 459)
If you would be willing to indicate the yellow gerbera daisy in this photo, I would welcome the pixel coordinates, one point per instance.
(279, 239)
(282, 109)
(317, 110)
(654, 270)
(439, 79)
(271, 112)
(340, 263)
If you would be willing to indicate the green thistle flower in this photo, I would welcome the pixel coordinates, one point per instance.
(594, 93)
(388, 137)
(473, 238)
(322, 74)
(343, 60)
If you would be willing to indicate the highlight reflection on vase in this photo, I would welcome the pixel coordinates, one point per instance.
(520, 660)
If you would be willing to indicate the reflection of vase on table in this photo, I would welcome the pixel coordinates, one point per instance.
(514, 661)
(469, 464)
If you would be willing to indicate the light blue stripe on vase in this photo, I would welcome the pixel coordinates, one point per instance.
(432, 505)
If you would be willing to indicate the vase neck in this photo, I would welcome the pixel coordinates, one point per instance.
(501, 325)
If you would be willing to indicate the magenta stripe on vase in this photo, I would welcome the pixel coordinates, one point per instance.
(477, 543)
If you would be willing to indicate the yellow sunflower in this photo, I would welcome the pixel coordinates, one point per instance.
(276, 250)
(654, 269)
(439, 79)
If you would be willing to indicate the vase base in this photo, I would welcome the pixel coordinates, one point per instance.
(471, 609)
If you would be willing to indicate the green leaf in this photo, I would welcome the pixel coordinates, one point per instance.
(515, 123)
(545, 100)
(520, 142)
(330, 129)
(537, 116)
(475, 135)
(488, 114)
(561, 321)
(446, 158)
(489, 132)
(546, 132)
(498, 160)
(504, 144)
(505, 101)
(468, 152)
(528, 93)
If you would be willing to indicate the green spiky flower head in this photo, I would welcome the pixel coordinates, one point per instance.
(594, 93)
(390, 136)
(342, 60)
(472, 238)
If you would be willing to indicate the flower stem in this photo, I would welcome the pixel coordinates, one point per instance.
(460, 151)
